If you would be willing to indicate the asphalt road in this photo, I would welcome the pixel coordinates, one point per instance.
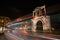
(2, 37)
(22, 35)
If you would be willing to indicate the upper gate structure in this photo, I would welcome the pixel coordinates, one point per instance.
(40, 20)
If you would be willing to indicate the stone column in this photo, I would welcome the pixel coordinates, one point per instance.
(46, 24)
(34, 25)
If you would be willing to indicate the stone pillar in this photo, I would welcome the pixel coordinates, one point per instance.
(46, 24)
(34, 25)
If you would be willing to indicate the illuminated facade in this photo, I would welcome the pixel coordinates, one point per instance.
(39, 14)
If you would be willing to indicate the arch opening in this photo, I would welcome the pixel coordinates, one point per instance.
(39, 26)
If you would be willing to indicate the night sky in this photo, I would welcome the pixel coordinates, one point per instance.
(19, 8)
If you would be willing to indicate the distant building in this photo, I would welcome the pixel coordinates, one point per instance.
(3, 20)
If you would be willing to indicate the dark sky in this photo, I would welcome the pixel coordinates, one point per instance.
(18, 8)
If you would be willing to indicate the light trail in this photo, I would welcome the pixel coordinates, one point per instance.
(13, 36)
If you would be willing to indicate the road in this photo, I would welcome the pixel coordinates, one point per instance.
(2, 37)
(23, 35)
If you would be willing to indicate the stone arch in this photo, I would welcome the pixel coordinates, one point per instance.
(39, 26)
(45, 23)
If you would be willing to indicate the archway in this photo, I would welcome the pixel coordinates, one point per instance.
(39, 26)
